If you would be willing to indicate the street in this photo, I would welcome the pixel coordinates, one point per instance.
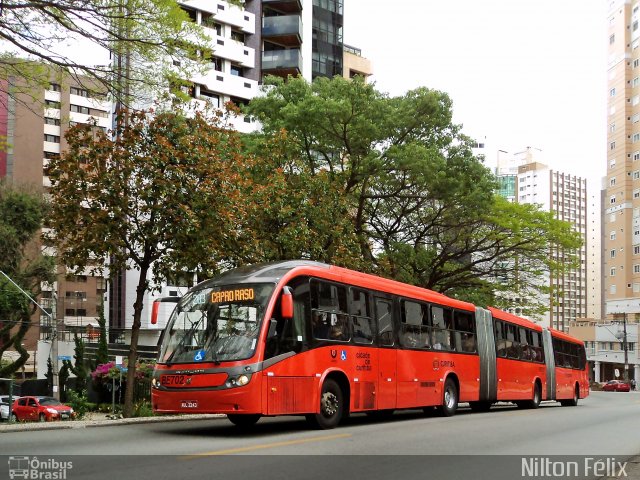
(484, 444)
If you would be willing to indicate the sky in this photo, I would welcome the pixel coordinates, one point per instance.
(520, 72)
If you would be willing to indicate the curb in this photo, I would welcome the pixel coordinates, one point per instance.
(71, 424)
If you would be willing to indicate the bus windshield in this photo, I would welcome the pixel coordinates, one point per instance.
(215, 324)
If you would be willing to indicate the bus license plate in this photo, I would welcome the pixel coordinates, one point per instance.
(189, 404)
(171, 380)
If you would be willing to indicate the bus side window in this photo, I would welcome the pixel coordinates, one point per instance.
(329, 317)
(465, 334)
(362, 323)
(442, 320)
(501, 340)
(385, 321)
(414, 325)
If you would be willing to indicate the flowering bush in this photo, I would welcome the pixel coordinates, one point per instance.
(110, 370)
(105, 371)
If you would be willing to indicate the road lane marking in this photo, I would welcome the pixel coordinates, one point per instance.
(264, 446)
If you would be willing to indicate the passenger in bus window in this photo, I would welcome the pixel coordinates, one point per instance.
(320, 324)
(468, 342)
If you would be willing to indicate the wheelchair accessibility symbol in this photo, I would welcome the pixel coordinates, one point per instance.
(199, 356)
(343, 355)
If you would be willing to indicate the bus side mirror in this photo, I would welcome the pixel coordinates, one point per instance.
(286, 303)
(154, 312)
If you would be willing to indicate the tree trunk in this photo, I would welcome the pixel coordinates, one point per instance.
(133, 349)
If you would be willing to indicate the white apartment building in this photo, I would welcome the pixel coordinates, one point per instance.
(524, 179)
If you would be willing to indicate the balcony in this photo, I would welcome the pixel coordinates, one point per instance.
(283, 6)
(282, 62)
(285, 30)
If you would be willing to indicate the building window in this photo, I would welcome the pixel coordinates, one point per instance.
(82, 92)
(236, 70)
(612, 272)
(51, 138)
(612, 181)
(79, 109)
(636, 174)
(636, 268)
(51, 121)
(52, 104)
(612, 163)
(612, 39)
(612, 92)
(612, 253)
(54, 87)
(612, 145)
(612, 199)
(612, 127)
(636, 193)
(612, 235)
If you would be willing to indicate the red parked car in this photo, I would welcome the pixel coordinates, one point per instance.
(43, 409)
(616, 386)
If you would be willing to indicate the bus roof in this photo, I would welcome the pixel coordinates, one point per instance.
(509, 317)
(565, 336)
(277, 271)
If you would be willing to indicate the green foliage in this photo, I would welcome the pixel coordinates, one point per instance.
(143, 409)
(163, 197)
(102, 354)
(405, 196)
(63, 376)
(21, 214)
(79, 367)
(143, 35)
(79, 402)
(49, 376)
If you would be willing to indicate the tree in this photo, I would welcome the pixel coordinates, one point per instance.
(79, 367)
(422, 207)
(144, 37)
(102, 354)
(21, 214)
(163, 197)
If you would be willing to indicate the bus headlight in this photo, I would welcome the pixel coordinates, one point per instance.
(239, 381)
(155, 383)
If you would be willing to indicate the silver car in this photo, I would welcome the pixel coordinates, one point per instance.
(4, 407)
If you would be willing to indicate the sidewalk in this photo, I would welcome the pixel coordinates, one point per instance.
(96, 419)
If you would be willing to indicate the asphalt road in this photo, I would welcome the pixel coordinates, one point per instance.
(604, 427)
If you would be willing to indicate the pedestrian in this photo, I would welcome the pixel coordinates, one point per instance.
(633, 384)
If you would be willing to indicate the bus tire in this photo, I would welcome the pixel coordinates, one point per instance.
(243, 420)
(574, 401)
(331, 406)
(535, 401)
(480, 406)
(449, 398)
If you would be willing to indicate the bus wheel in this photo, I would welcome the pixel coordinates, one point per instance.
(449, 398)
(243, 420)
(480, 406)
(331, 406)
(574, 401)
(537, 397)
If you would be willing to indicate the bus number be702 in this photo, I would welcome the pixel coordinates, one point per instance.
(170, 380)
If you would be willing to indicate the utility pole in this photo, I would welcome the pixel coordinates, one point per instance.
(54, 337)
(625, 376)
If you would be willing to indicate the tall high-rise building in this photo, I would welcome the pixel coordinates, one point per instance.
(524, 179)
(621, 209)
(34, 127)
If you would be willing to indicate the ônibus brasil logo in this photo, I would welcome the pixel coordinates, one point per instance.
(35, 468)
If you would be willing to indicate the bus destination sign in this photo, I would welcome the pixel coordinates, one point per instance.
(235, 295)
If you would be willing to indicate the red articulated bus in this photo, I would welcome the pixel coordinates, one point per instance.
(305, 338)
